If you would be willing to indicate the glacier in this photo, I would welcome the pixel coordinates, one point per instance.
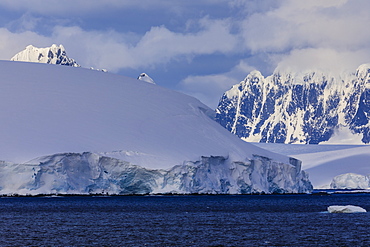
(69, 130)
(91, 173)
(309, 107)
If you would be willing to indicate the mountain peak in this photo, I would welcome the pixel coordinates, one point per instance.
(146, 78)
(52, 55)
(363, 70)
(298, 106)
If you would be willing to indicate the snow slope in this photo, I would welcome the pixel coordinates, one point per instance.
(64, 123)
(325, 162)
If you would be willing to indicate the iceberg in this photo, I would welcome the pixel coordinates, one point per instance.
(328, 165)
(350, 181)
(346, 209)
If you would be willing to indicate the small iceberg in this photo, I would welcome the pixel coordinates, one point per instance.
(346, 209)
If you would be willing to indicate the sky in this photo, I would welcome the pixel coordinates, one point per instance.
(201, 47)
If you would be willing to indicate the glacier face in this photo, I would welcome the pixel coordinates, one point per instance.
(297, 108)
(90, 173)
(51, 55)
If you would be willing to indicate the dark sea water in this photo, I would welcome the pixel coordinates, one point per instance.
(266, 220)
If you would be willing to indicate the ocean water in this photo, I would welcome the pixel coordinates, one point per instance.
(266, 220)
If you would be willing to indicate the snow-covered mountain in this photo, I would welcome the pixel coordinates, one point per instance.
(310, 107)
(84, 131)
(52, 55)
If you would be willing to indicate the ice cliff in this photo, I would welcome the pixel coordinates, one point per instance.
(84, 131)
(89, 173)
(290, 107)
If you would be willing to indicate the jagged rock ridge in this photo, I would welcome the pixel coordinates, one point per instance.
(297, 108)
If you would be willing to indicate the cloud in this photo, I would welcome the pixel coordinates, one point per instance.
(274, 29)
(114, 51)
(262, 35)
(324, 59)
(11, 43)
(308, 28)
(52, 7)
(83, 7)
(162, 44)
(26, 22)
(209, 88)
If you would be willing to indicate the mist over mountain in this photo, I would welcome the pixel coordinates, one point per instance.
(308, 107)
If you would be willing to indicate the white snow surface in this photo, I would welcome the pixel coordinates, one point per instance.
(77, 130)
(324, 162)
(145, 77)
(346, 209)
(344, 136)
(48, 109)
(351, 181)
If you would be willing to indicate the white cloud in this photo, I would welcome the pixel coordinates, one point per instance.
(287, 34)
(274, 29)
(162, 44)
(114, 51)
(26, 22)
(306, 28)
(323, 59)
(11, 43)
(209, 88)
